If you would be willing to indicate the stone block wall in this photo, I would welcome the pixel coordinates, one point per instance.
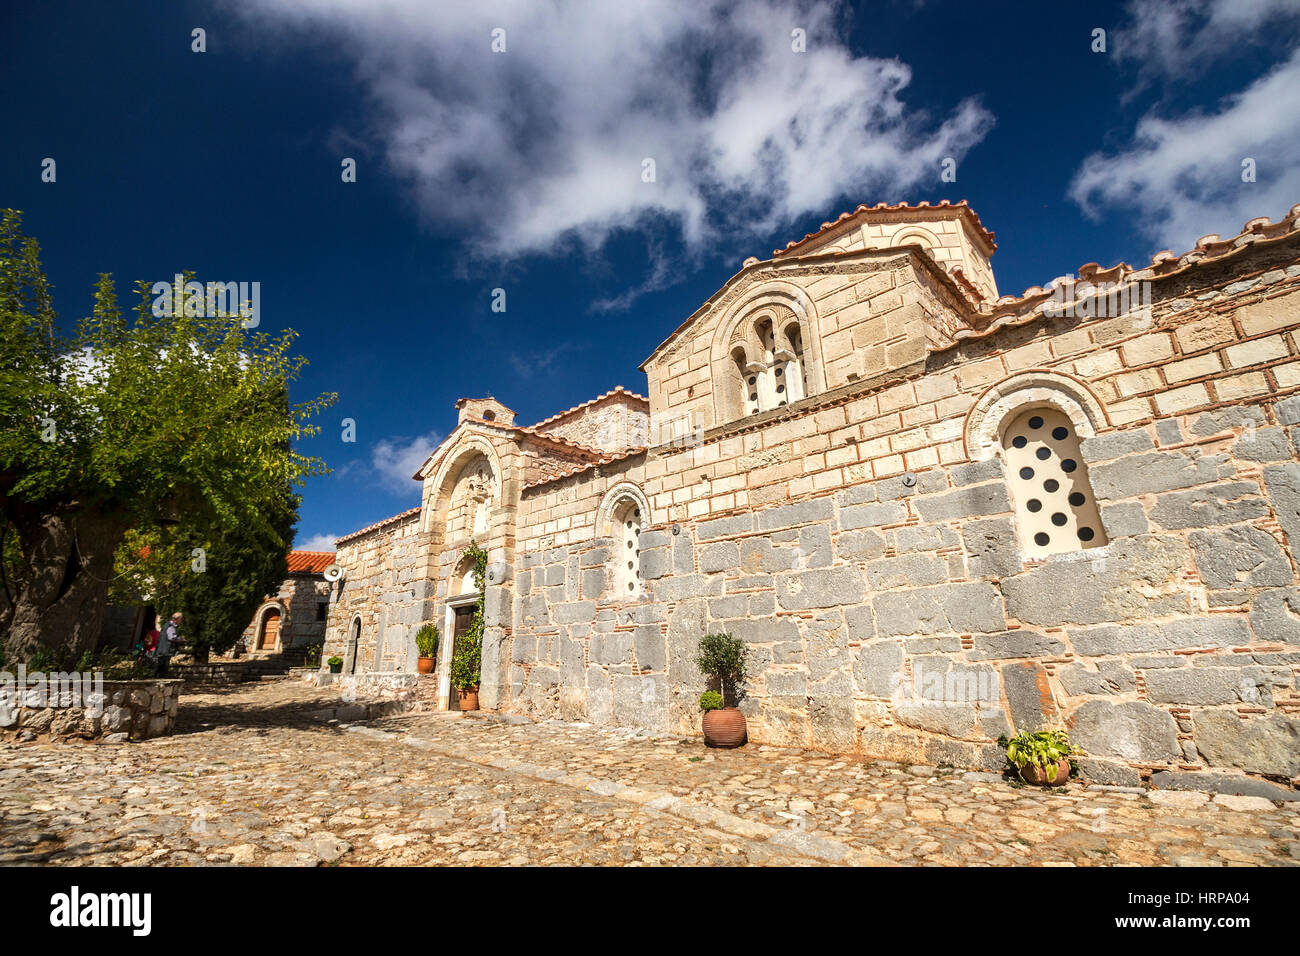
(136, 709)
(213, 672)
(864, 546)
(388, 590)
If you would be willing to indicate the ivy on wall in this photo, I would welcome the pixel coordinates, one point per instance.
(466, 661)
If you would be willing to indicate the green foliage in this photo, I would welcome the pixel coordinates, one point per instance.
(335, 661)
(426, 640)
(124, 426)
(711, 700)
(1044, 749)
(467, 658)
(722, 656)
(312, 656)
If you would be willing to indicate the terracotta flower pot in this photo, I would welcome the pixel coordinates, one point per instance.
(467, 699)
(724, 728)
(1032, 773)
(424, 665)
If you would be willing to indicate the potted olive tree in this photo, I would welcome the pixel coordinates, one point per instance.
(1041, 757)
(722, 658)
(465, 664)
(426, 643)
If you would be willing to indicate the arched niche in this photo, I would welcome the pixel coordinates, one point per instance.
(989, 416)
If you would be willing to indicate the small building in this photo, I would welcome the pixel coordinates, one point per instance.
(294, 616)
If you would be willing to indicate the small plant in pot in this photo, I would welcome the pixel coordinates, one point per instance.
(465, 663)
(426, 643)
(722, 658)
(336, 664)
(1041, 757)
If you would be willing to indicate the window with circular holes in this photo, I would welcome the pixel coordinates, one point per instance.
(627, 549)
(1055, 508)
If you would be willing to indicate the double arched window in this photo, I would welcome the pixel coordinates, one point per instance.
(767, 352)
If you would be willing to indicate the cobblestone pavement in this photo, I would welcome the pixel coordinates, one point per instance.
(252, 777)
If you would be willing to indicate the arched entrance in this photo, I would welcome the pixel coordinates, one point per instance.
(270, 630)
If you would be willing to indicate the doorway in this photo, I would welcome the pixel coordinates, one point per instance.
(354, 646)
(270, 630)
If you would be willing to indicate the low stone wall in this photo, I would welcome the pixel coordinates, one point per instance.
(213, 672)
(114, 711)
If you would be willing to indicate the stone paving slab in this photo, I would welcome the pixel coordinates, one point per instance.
(253, 777)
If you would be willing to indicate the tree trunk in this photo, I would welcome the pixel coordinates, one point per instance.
(60, 609)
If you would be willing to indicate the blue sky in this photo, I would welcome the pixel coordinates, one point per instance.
(522, 169)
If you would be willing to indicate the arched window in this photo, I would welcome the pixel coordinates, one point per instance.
(1055, 507)
(625, 526)
(789, 370)
(747, 382)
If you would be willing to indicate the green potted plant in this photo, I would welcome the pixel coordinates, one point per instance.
(336, 664)
(426, 643)
(722, 658)
(1041, 757)
(465, 664)
(467, 648)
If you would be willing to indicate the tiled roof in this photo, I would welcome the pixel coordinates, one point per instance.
(379, 524)
(309, 562)
(603, 460)
(971, 216)
(616, 390)
(1013, 310)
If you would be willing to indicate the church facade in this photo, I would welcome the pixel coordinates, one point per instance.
(935, 514)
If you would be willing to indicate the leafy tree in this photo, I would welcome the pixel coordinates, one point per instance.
(217, 577)
(121, 428)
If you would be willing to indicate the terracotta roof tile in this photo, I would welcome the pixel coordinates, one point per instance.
(604, 460)
(1013, 310)
(616, 390)
(971, 216)
(309, 562)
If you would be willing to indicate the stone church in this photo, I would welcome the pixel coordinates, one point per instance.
(935, 514)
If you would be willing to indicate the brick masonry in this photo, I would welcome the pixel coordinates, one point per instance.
(863, 541)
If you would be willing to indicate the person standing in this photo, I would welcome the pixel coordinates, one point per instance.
(168, 641)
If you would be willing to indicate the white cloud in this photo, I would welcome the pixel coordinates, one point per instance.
(317, 542)
(394, 460)
(1178, 38)
(524, 150)
(1181, 176)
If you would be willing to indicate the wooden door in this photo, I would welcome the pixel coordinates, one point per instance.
(270, 630)
(464, 615)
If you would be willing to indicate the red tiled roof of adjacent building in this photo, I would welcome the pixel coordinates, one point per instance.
(309, 562)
